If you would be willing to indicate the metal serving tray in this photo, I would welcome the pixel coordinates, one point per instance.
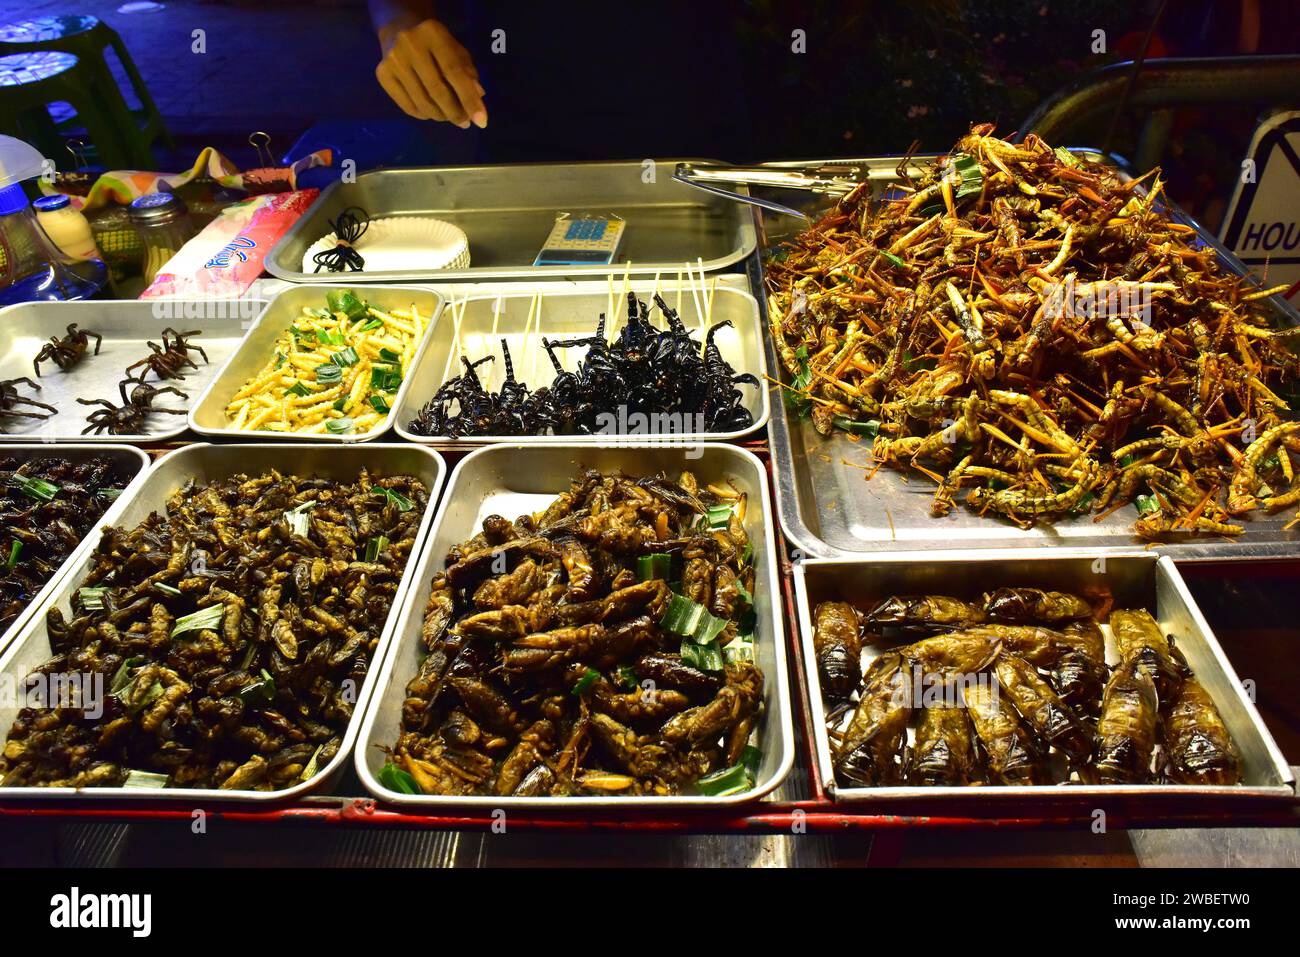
(829, 509)
(512, 480)
(208, 413)
(571, 315)
(204, 463)
(130, 461)
(507, 212)
(1135, 579)
(127, 326)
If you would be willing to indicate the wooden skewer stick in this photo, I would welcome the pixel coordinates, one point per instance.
(695, 294)
(679, 292)
(491, 344)
(653, 294)
(528, 340)
(453, 352)
(537, 334)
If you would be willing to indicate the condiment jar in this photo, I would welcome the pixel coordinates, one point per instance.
(164, 227)
(66, 227)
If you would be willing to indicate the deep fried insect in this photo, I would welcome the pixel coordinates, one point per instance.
(1009, 753)
(1020, 605)
(550, 634)
(1126, 728)
(67, 351)
(924, 613)
(838, 644)
(869, 753)
(1049, 717)
(128, 418)
(169, 360)
(1138, 637)
(10, 400)
(1198, 747)
(943, 753)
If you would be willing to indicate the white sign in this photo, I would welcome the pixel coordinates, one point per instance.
(1262, 225)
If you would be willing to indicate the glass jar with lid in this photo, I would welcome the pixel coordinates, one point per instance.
(164, 226)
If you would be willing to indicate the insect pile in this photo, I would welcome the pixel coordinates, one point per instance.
(602, 646)
(1027, 328)
(233, 631)
(657, 375)
(335, 370)
(47, 506)
(1013, 690)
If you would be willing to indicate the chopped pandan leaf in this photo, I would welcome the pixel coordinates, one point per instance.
(260, 692)
(15, 549)
(750, 759)
(589, 678)
(796, 396)
(339, 426)
(346, 357)
(395, 779)
(347, 302)
(1066, 157)
(972, 177)
(654, 565)
(298, 520)
(745, 596)
(145, 779)
(403, 503)
(741, 649)
(92, 599)
(691, 620)
(388, 355)
(329, 374)
(385, 377)
(370, 325)
(375, 547)
(380, 404)
(167, 589)
(1147, 504)
(627, 677)
(297, 389)
(38, 489)
(732, 780)
(895, 260)
(868, 427)
(122, 677)
(205, 619)
(340, 404)
(705, 657)
(719, 516)
(313, 765)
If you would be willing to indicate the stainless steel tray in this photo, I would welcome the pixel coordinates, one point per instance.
(512, 480)
(571, 314)
(829, 509)
(126, 325)
(1136, 579)
(208, 413)
(507, 212)
(131, 461)
(204, 463)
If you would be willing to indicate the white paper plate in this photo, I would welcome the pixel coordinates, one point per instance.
(403, 244)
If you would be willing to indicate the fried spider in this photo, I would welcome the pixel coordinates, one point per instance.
(129, 418)
(169, 360)
(10, 399)
(67, 351)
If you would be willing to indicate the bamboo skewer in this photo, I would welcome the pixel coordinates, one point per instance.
(491, 344)
(453, 354)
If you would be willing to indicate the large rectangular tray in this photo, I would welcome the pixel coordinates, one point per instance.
(131, 461)
(208, 413)
(507, 212)
(829, 509)
(204, 463)
(1136, 579)
(572, 314)
(512, 480)
(127, 326)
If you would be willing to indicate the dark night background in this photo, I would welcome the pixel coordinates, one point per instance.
(715, 79)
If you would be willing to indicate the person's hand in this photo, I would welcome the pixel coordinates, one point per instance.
(427, 73)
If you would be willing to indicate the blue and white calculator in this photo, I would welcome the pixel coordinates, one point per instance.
(581, 241)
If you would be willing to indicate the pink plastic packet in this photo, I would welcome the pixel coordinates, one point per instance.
(224, 260)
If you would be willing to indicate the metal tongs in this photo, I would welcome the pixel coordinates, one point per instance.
(827, 179)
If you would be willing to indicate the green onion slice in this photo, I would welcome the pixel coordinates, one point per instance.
(732, 780)
(654, 565)
(204, 619)
(395, 779)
